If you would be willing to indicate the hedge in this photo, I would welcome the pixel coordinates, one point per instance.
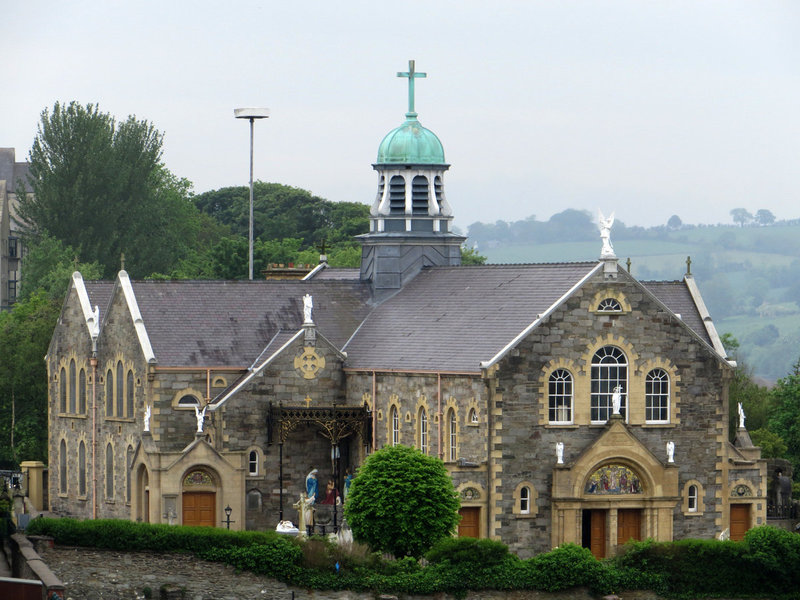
(765, 564)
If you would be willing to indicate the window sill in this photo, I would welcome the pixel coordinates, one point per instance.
(561, 426)
(120, 419)
(658, 425)
(525, 515)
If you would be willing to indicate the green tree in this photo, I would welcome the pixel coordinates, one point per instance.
(785, 416)
(25, 334)
(764, 217)
(756, 399)
(471, 256)
(402, 501)
(48, 265)
(674, 222)
(771, 444)
(100, 187)
(741, 216)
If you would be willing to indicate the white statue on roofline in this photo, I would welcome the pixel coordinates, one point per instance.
(200, 415)
(307, 305)
(741, 416)
(605, 235)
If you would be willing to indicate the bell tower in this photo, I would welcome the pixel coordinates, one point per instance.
(410, 219)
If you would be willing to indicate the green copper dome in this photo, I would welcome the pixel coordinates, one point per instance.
(411, 143)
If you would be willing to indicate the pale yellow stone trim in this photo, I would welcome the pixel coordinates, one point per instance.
(187, 392)
(219, 381)
(544, 389)
(394, 401)
(637, 386)
(422, 404)
(609, 292)
(701, 507)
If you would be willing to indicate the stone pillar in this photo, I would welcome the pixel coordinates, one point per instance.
(34, 481)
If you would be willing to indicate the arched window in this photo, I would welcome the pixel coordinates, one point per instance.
(120, 397)
(62, 390)
(73, 377)
(452, 435)
(656, 396)
(692, 498)
(188, 401)
(525, 500)
(82, 469)
(62, 467)
(609, 372)
(110, 393)
(129, 395)
(397, 195)
(82, 392)
(419, 195)
(560, 396)
(423, 430)
(473, 416)
(395, 420)
(252, 462)
(609, 305)
(109, 472)
(128, 465)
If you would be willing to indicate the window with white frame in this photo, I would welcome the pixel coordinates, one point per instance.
(656, 396)
(609, 373)
(394, 416)
(525, 500)
(692, 498)
(451, 420)
(423, 430)
(609, 305)
(559, 390)
(252, 462)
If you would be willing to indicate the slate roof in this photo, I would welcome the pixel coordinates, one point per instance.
(229, 323)
(100, 293)
(338, 273)
(676, 296)
(439, 321)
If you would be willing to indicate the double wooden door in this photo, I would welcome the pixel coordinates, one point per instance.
(199, 508)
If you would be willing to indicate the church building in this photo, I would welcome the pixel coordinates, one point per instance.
(570, 402)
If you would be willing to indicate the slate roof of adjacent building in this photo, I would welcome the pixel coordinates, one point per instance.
(676, 296)
(452, 318)
(100, 293)
(229, 323)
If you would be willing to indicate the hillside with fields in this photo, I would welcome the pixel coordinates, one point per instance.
(749, 275)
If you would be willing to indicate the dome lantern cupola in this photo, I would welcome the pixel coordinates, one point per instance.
(410, 220)
(411, 170)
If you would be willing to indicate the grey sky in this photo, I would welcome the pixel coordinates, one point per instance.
(645, 108)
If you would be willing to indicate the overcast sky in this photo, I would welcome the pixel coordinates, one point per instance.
(645, 108)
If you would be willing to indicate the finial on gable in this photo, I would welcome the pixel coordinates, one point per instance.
(688, 266)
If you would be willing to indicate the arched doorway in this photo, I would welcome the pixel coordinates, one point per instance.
(199, 498)
(142, 496)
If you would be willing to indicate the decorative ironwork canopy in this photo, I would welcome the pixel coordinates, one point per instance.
(334, 422)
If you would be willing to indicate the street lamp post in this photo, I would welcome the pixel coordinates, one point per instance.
(228, 511)
(252, 114)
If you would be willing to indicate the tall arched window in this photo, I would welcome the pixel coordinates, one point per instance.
(62, 390)
(609, 372)
(395, 420)
(109, 471)
(129, 395)
(452, 432)
(110, 393)
(73, 377)
(82, 469)
(525, 500)
(252, 462)
(119, 397)
(128, 465)
(423, 430)
(82, 392)
(62, 467)
(656, 396)
(692, 498)
(560, 396)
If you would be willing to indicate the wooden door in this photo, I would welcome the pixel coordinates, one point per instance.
(597, 535)
(740, 521)
(629, 525)
(470, 522)
(199, 508)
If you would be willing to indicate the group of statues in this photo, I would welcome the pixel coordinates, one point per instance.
(329, 497)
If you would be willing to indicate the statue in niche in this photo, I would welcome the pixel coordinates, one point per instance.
(560, 453)
(307, 305)
(147, 417)
(200, 415)
(605, 234)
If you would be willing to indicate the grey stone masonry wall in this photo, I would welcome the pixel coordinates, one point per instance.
(117, 345)
(650, 337)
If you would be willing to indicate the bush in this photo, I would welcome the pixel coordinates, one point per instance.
(402, 501)
(565, 567)
(468, 551)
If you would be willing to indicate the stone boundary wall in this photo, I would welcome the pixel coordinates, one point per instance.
(27, 564)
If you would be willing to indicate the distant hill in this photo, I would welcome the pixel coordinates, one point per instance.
(749, 276)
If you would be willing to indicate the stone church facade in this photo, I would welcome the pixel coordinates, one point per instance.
(570, 402)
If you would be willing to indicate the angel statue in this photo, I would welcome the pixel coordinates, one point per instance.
(147, 417)
(560, 453)
(307, 305)
(605, 234)
(616, 400)
(200, 415)
(671, 451)
(741, 416)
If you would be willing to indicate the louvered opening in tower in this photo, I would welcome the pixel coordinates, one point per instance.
(419, 195)
(437, 188)
(397, 195)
